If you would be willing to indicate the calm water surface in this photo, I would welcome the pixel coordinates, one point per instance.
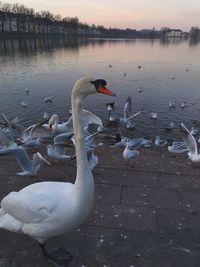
(49, 67)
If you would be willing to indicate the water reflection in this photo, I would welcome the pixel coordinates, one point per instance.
(33, 45)
(47, 44)
(50, 66)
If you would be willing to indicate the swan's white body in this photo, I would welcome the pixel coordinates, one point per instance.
(46, 209)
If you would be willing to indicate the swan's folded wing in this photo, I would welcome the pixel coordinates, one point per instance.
(28, 207)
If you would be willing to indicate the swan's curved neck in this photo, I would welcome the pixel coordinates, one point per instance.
(83, 168)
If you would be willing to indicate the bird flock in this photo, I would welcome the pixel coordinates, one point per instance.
(46, 209)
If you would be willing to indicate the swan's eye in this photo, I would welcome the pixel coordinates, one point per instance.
(99, 82)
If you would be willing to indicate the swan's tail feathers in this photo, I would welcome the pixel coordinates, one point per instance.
(9, 223)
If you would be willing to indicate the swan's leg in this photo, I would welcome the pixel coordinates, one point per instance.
(58, 256)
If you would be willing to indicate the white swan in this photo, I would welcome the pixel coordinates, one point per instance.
(46, 209)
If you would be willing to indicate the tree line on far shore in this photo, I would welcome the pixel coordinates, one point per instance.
(16, 18)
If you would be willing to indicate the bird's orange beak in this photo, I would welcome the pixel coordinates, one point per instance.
(105, 91)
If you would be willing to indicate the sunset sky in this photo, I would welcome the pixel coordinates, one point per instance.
(136, 14)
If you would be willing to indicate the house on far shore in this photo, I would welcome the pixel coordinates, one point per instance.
(175, 33)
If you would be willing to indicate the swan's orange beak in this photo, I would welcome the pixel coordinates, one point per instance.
(105, 91)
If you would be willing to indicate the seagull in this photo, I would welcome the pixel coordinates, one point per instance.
(190, 143)
(26, 90)
(23, 104)
(125, 74)
(154, 115)
(137, 142)
(127, 108)
(177, 147)
(129, 154)
(172, 104)
(48, 99)
(128, 122)
(29, 167)
(160, 142)
(63, 138)
(128, 114)
(183, 104)
(6, 140)
(110, 108)
(46, 116)
(170, 126)
(92, 158)
(194, 131)
(32, 143)
(57, 150)
(56, 127)
(139, 90)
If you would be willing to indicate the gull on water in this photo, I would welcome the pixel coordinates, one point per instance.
(154, 115)
(172, 104)
(48, 99)
(110, 108)
(29, 167)
(128, 121)
(190, 143)
(128, 114)
(23, 104)
(170, 127)
(183, 104)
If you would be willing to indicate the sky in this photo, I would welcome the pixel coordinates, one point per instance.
(135, 14)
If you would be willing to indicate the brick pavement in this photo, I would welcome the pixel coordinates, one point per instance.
(144, 216)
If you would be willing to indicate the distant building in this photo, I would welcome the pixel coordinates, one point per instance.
(176, 33)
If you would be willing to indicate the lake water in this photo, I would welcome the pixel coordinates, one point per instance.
(49, 67)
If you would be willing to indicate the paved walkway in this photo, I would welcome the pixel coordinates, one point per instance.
(145, 216)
